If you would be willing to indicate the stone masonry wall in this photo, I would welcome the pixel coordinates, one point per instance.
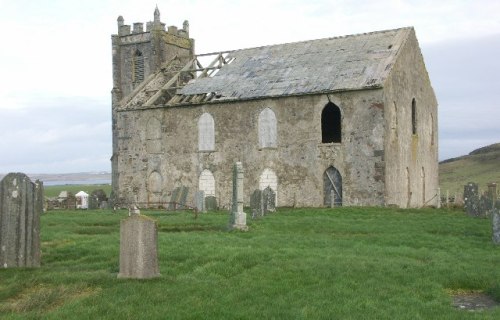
(411, 160)
(299, 160)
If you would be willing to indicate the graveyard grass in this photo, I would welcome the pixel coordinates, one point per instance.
(343, 263)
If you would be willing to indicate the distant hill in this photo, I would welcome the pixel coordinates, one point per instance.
(481, 166)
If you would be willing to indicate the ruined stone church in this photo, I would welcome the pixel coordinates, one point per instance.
(348, 120)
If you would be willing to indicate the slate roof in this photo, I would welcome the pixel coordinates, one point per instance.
(335, 64)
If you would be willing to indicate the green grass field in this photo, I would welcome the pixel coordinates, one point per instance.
(342, 263)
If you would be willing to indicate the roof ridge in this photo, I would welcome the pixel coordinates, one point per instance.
(320, 39)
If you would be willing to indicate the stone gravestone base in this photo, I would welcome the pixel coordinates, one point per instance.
(21, 204)
(138, 248)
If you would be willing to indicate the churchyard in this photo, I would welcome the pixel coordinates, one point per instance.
(345, 263)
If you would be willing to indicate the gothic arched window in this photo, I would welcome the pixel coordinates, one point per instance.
(331, 126)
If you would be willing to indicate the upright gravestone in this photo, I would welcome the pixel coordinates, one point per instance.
(257, 204)
(200, 201)
(210, 203)
(238, 219)
(21, 204)
(138, 247)
(183, 197)
(269, 200)
(495, 220)
(174, 199)
(471, 199)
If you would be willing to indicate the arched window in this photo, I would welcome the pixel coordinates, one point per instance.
(413, 116)
(206, 183)
(138, 64)
(267, 129)
(332, 187)
(331, 127)
(153, 135)
(206, 133)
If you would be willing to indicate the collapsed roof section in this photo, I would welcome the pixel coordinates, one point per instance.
(347, 63)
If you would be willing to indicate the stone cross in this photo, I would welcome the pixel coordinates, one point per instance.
(138, 248)
(21, 204)
(238, 218)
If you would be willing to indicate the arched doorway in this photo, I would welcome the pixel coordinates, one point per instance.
(332, 181)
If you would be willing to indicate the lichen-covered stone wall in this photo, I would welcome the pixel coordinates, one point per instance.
(411, 159)
(299, 160)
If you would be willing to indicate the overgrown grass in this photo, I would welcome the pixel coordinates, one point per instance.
(342, 263)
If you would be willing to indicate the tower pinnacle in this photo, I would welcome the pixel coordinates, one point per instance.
(157, 15)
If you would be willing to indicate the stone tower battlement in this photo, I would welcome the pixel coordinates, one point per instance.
(138, 53)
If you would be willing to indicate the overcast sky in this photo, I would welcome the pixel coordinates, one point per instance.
(55, 64)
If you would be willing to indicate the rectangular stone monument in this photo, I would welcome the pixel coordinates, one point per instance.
(471, 199)
(138, 248)
(183, 197)
(21, 204)
(174, 199)
(238, 218)
(256, 204)
(200, 201)
(210, 203)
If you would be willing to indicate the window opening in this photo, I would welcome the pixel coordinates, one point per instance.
(414, 116)
(331, 130)
(138, 67)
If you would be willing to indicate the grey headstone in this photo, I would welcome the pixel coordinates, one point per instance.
(96, 198)
(200, 201)
(210, 203)
(21, 204)
(495, 221)
(238, 218)
(138, 248)
(471, 199)
(183, 196)
(256, 204)
(174, 199)
(269, 200)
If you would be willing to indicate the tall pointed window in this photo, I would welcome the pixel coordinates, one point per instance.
(267, 129)
(138, 71)
(206, 133)
(331, 126)
(153, 136)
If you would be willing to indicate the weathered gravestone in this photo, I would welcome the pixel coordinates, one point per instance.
(138, 247)
(174, 198)
(269, 200)
(21, 204)
(495, 221)
(200, 201)
(183, 197)
(238, 218)
(210, 203)
(471, 199)
(96, 198)
(256, 204)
